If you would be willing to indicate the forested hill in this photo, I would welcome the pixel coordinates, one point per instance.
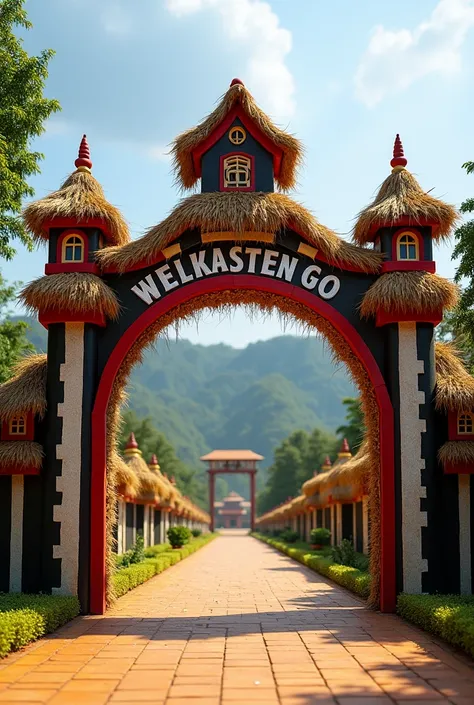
(204, 397)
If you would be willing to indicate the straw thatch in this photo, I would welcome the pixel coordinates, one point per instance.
(409, 292)
(149, 483)
(25, 392)
(454, 385)
(187, 142)
(80, 197)
(20, 454)
(401, 196)
(353, 474)
(239, 213)
(127, 482)
(457, 453)
(72, 292)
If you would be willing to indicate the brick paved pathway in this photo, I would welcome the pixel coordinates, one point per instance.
(238, 623)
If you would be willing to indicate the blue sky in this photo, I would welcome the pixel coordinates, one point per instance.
(343, 76)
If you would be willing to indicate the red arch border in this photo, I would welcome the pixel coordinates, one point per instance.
(255, 283)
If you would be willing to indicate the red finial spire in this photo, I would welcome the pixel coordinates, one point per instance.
(398, 155)
(236, 82)
(153, 460)
(345, 446)
(84, 158)
(132, 443)
(172, 480)
(327, 460)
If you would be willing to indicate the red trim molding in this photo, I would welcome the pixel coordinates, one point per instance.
(48, 317)
(61, 267)
(77, 223)
(20, 470)
(251, 158)
(453, 434)
(419, 239)
(409, 266)
(382, 318)
(253, 283)
(403, 222)
(221, 130)
(458, 469)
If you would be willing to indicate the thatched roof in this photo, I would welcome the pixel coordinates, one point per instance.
(25, 392)
(239, 213)
(163, 485)
(454, 385)
(409, 292)
(74, 292)
(80, 197)
(187, 142)
(457, 453)
(401, 197)
(20, 454)
(126, 480)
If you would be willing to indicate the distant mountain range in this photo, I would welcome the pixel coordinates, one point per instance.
(204, 397)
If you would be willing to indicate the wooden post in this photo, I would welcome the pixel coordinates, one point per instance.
(211, 499)
(252, 501)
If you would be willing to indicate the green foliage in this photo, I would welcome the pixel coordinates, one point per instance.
(295, 460)
(463, 318)
(345, 554)
(178, 536)
(320, 536)
(13, 342)
(353, 579)
(449, 616)
(138, 550)
(353, 429)
(23, 111)
(24, 618)
(196, 532)
(289, 536)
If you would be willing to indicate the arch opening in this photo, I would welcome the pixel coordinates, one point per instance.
(266, 295)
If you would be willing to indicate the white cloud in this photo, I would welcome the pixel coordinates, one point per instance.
(395, 59)
(253, 24)
(56, 126)
(115, 20)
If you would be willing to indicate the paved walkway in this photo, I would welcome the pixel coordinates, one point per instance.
(238, 623)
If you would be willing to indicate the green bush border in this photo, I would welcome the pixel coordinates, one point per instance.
(449, 616)
(353, 579)
(158, 558)
(25, 618)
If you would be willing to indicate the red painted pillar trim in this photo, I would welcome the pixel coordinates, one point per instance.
(252, 501)
(211, 498)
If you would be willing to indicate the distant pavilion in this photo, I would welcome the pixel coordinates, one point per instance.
(232, 513)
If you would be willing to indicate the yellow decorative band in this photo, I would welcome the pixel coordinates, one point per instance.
(304, 249)
(238, 237)
(172, 250)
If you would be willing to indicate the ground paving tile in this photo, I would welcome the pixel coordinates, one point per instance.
(238, 623)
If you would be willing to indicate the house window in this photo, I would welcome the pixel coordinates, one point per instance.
(73, 248)
(237, 172)
(407, 247)
(465, 424)
(237, 135)
(17, 426)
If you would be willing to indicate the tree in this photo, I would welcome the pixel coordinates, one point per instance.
(13, 342)
(354, 428)
(462, 320)
(150, 441)
(23, 111)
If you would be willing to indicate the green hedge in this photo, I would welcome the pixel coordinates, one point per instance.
(158, 559)
(449, 616)
(357, 581)
(24, 618)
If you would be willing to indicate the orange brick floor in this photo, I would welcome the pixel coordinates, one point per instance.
(238, 623)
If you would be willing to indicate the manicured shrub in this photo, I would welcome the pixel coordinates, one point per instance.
(196, 532)
(289, 536)
(178, 536)
(320, 536)
(24, 618)
(137, 554)
(449, 616)
(152, 551)
(345, 554)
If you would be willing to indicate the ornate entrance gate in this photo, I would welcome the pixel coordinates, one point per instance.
(238, 243)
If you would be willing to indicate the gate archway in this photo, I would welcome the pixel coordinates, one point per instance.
(104, 298)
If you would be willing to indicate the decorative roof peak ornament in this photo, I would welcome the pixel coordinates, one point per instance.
(327, 462)
(83, 160)
(153, 460)
(345, 451)
(132, 446)
(399, 160)
(236, 82)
